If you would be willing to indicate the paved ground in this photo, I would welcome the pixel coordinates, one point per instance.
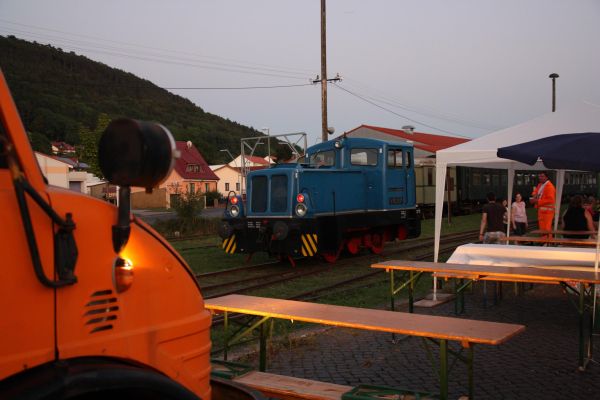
(539, 364)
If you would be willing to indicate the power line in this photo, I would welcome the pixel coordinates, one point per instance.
(430, 111)
(70, 44)
(397, 114)
(169, 88)
(299, 71)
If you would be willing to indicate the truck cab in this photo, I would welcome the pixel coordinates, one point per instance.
(96, 303)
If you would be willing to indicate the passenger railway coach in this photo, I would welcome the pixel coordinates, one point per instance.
(349, 193)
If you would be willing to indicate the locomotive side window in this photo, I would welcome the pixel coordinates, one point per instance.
(394, 159)
(259, 193)
(323, 159)
(366, 157)
(408, 160)
(279, 186)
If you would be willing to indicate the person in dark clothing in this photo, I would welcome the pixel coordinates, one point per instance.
(492, 221)
(577, 218)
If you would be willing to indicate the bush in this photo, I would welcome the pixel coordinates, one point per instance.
(188, 207)
(212, 196)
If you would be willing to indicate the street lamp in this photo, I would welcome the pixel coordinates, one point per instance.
(268, 133)
(553, 76)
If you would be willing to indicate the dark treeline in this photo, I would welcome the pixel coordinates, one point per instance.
(62, 96)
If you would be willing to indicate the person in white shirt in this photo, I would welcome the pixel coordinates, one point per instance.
(518, 216)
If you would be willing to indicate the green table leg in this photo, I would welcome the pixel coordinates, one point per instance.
(443, 369)
(226, 329)
(263, 349)
(470, 356)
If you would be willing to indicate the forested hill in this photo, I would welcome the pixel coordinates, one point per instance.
(64, 96)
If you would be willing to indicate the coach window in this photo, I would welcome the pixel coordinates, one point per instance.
(323, 159)
(364, 157)
(279, 186)
(259, 194)
(394, 159)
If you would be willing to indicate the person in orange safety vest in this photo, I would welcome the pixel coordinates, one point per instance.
(544, 199)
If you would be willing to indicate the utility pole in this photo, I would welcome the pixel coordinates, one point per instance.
(553, 76)
(323, 73)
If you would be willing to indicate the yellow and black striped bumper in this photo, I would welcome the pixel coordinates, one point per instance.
(229, 244)
(309, 244)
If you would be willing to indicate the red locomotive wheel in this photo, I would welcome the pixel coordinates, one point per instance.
(376, 246)
(330, 257)
(353, 245)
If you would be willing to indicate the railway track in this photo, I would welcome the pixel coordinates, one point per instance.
(271, 276)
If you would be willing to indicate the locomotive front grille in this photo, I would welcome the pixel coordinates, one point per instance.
(101, 311)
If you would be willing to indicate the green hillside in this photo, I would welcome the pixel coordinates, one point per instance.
(64, 96)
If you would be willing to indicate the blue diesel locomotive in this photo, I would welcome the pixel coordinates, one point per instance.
(348, 193)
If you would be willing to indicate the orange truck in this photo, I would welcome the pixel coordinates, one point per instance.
(95, 302)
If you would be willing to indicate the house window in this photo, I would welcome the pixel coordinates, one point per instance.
(237, 186)
(192, 188)
(227, 186)
(207, 187)
(193, 168)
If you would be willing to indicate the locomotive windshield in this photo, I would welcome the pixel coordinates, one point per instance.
(323, 159)
(279, 185)
(259, 193)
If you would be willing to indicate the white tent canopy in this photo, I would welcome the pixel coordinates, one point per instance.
(481, 152)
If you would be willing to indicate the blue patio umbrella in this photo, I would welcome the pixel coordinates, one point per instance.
(576, 151)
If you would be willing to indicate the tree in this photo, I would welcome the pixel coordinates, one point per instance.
(88, 150)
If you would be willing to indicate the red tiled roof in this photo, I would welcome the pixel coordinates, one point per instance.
(423, 141)
(191, 156)
(257, 160)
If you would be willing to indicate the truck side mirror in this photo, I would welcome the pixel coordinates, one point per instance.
(134, 153)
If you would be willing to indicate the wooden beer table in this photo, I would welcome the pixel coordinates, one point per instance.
(585, 280)
(437, 329)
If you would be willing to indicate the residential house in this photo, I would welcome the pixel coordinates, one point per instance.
(229, 179)
(62, 148)
(191, 174)
(65, 172)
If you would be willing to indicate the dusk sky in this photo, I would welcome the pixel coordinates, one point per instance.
(458, 67)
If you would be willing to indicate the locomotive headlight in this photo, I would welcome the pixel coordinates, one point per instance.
(301, 209)
(234, 211)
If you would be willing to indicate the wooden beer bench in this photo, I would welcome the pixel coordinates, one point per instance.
(550, 240)
(436, 329)
(551, 275)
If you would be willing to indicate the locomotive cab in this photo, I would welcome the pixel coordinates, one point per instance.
(350, 193)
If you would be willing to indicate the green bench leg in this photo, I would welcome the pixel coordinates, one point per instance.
(443, 369)
(470, 355)
(581, 327)
(262, 366)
